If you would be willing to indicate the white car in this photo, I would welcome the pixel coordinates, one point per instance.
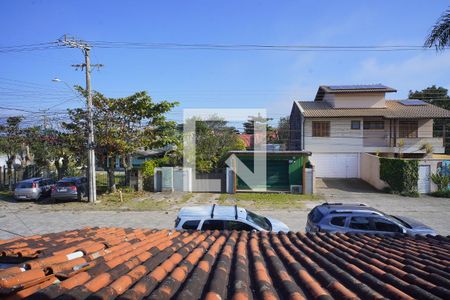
(218, 217)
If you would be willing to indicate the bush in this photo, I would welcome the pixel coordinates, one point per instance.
(148, 168)
(441, 181)
(401, 175)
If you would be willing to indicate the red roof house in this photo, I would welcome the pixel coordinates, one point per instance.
(120, 263)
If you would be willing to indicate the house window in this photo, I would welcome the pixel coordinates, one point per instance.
(373, 125)
(356, 124)
(408, 129)
(321, 128)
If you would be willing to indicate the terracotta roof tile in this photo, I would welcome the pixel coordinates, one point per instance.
(393, 110)
(117, 263)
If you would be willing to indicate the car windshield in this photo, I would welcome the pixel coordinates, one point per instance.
(261, 221)
(24, 185)
(401, 221)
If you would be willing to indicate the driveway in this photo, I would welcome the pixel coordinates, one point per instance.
(432, 211)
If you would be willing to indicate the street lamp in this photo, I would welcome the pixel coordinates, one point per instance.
(57, 80)
(91, 151)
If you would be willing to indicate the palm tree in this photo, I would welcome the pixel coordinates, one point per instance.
(440, 34)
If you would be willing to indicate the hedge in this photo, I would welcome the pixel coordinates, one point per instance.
(401, 175)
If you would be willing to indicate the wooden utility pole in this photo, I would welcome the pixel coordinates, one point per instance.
(85, 48)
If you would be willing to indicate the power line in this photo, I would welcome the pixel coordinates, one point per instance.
(219, 47)
(17, 109)
(253, 47)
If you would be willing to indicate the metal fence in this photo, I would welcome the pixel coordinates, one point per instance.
(102, 179)
(18, 174)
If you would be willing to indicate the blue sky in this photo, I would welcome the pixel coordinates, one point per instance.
(222, 79)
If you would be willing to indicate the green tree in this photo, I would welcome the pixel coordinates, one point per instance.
(122, 125)
(440, 34)
(437, 96)
(282, 131)
(12, 144)
(50, 148)
(214, 139)
(434, 95)
(249, 125)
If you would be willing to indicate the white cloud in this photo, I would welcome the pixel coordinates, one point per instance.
(414, 73)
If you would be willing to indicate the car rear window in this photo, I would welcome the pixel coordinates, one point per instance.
(65, 183)
(191, 225)
(315, 215)
(24, 185)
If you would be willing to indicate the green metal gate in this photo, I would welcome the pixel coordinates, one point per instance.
(277, 175)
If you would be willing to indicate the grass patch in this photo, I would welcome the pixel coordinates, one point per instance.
(267, 200)
(139, 201)
(185, 198)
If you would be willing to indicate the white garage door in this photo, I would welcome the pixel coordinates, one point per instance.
(336, 165)
(423, 184)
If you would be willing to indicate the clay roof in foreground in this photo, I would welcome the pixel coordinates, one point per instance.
(120, 263)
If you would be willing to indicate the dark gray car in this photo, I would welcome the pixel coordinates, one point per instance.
(33, 188)
(70, 188)
(359, 218)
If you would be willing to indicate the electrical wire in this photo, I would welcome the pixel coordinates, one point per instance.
(252, 47)
(219, 47)
(29, 47)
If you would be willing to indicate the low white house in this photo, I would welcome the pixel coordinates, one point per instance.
(345, 121)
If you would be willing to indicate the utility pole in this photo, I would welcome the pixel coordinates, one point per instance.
(85, 48)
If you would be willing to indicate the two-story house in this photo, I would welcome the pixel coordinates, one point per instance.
(344, 121)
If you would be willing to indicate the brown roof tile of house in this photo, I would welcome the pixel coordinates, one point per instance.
(117, 263)
(394, 110)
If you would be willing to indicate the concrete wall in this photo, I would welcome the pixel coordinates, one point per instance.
(356, 100)
(370, 170)
(425, 129)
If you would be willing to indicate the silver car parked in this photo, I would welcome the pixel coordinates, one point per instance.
(33, 188)
(222, 217)
(360, 218)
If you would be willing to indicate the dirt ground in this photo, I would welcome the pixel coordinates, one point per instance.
(26, 218)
